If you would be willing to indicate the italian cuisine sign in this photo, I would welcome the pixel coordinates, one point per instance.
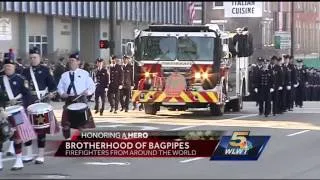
(242, 9)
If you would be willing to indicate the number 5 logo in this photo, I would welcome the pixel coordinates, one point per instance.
(238, 137)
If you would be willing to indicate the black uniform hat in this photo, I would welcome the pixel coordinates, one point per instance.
(286, 56)
(99, 60)
(274, 58)
(299, 60)
(113, 57)
(7, 59)
(260, 59)
(279, 59)
(34, 50)
(74, 55)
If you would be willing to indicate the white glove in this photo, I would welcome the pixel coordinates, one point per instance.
(86, 93)
(106, 89)
(288, 88)
(280, 88)
(296, 85)
(271, 89)
(256, 90)
(132, 87)
(120, 87)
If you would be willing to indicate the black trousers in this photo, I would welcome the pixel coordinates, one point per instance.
(113, 98)
(300, 90)
(287, 99)
(264, 100)
(102, 96)
(277, 101)
(125, 95)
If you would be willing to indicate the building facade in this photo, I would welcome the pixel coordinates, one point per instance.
(276, 16)
(59, 28)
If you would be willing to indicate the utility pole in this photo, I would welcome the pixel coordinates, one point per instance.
(112, 23)
(203, 13)
(292, 28)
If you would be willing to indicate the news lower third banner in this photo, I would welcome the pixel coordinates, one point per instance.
(215, 145)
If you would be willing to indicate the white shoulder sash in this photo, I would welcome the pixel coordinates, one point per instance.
(35, 83)
(8, 87)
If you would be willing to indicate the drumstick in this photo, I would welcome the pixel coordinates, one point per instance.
(80, 95)
(42, 98)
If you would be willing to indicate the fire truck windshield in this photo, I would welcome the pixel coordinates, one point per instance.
(158, 48)
(195, 48)
(182, 48)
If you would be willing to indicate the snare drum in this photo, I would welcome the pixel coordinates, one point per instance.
(77, 114)
(40, 115)
(20, 123)
(14, 115)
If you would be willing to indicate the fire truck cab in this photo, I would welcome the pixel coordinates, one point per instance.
(183, 67)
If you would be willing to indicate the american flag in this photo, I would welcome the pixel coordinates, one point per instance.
(25, 130)
(191, 12)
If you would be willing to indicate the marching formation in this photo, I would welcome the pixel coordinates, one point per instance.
(25, 92)
(277, 85)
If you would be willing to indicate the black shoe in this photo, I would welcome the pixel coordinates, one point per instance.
(121, 109)
(126, 110)
(115, 112)
(96, 111)
(16, 168)
(38, 162)
(101, 113)
(27, 161)
(111, 109)
(266, 115)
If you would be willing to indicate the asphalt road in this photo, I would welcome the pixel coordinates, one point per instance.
(292, 151)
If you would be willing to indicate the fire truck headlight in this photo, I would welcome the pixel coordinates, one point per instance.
(205, 75)
(197, 75)
(146, 74)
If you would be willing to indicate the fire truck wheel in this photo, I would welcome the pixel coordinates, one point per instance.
(216, 110)
(150, 109)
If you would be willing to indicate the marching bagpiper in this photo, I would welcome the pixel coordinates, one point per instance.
(14, 88)
(74, 86)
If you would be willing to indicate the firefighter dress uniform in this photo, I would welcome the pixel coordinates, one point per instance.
(102, 82)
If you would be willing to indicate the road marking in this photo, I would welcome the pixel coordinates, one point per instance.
(109, 163)
(300, 132)
(181, 128)
(192, 159)
(13, 158)
(144, 128)
(244, 116)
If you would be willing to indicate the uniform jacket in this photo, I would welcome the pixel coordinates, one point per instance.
(116, 77)
(128, 76)
(102, 79)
